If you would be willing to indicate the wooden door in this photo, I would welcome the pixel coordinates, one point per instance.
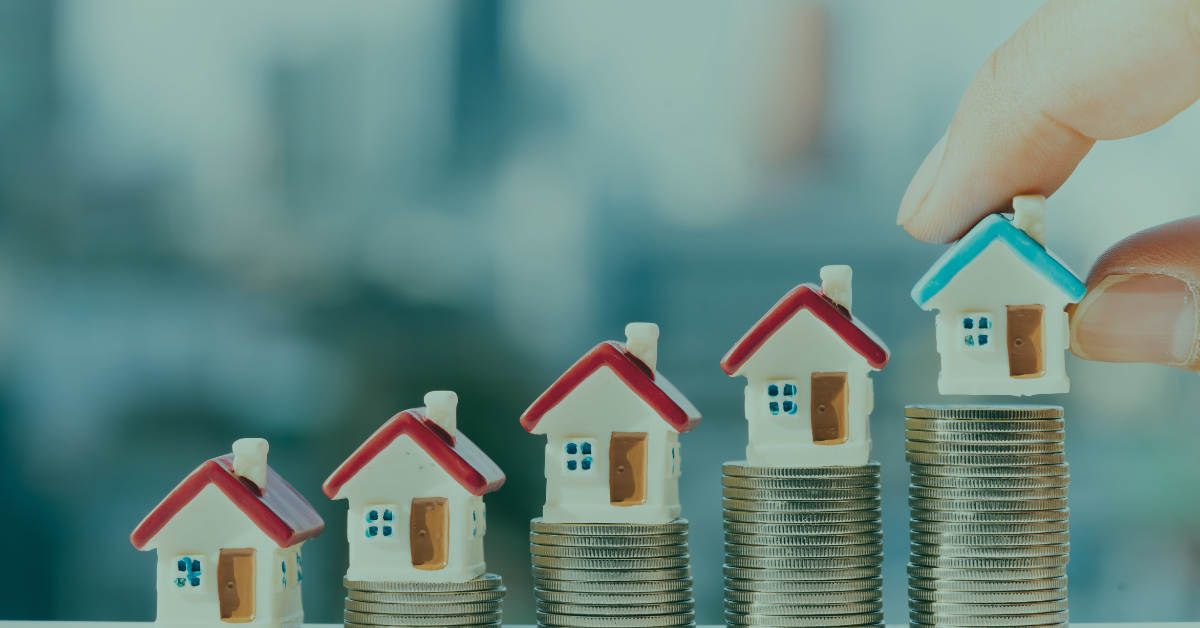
(1025, 344)
(429, 532)
(827, 408)
(627, 468)
(235, 585)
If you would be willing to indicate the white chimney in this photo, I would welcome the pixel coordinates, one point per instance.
(250, 460)
(641, 339)
(441, 407)
(1029, 215)
(835, 284)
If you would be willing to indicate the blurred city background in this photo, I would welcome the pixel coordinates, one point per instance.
(292, 219)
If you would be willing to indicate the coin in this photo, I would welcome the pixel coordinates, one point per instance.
(422, 609)
(744, 469)
(1030, 470)
(950, 516)
(782, 506)
(990, 540)
(811, 540)
(612, 599)
(677, 526)
(984, 437)
(975, 621)
(800, 483)
(950, 562)
(991, 483)
(987, 493)
(965, 425)
(804, 563)
(803, 518)
(805, 586)
(939, 527)
(788, 621)
(484, 582)
(571, 540)
(960, 551)
(419, 620)
(558, 551)
(988, 573)
(614, 575)
(622, 610)
(983, 413)
(984, 449)
(354, 624)
(1014, 597)
(836, 551)
(801, 575)
(427, 598)
(984, 460)
(1048, 583)
(996, 505)
(609, 564)
(643, 587)
(802, 530)
(584, 621)
(832, 494)
(824, 597)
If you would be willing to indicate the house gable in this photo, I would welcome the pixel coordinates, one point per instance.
(600, 404)
(802, 345)
(402, 458)
(209, 522)
(997, 276)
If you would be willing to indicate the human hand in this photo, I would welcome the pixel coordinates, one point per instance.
(1075, 73)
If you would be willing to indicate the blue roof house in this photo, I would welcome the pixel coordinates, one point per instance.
(1000, 297)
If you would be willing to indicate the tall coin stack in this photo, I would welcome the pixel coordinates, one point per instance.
(989, 528)
(803, 546)
(592, 575)
(476, 602)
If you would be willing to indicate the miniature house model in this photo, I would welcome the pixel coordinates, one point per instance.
(1001, 328)
(228, 540)
(807, 364)
(415, 490)
(612, 424)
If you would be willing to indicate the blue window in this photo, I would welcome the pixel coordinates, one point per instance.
(571, 465)
(387, 530)
(968, 323)
(772, 390)
(789, 390)
(585, 448)
(789, 407)
(572, 448)
(969, 340)
(187, 572)
(781, 396)
(983, 339)
(976, 326)
(372, 515)
(586, 463)
(380, 520)
(283, 574)
(983, 323)
(299, 570)
(774, 406)
(578, 456)
(372, 532)
(387, 515)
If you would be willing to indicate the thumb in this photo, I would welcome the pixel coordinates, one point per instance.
(1141, 303)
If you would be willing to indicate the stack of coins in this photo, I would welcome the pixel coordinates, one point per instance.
(476, 602)
(989, 516)
(592, 575)
(803, 546)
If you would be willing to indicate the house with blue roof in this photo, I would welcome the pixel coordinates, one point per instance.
(1000, 296)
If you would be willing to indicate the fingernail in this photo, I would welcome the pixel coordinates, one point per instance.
(1136, 318)
(922, 182)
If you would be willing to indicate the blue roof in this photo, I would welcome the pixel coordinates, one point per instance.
(996, 227)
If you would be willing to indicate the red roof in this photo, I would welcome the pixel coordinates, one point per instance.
(458, 456)
(650, 385)
(278, 509)
(807, 296)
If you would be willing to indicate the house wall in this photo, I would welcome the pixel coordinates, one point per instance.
(600, 405)
(397, 475)
(803, 346)
(203, 527)
(995, 279)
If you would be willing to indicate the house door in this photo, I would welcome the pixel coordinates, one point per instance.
(627, 468)
(828, 408)
(429, 532)
(235, 585)
(1025, 359)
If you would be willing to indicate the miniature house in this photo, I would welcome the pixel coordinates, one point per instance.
(415, 490)
(612, 424)
(1000, 296)
(228, 540)
(807, 364)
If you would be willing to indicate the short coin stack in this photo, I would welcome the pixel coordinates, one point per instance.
(593, 575)
(989, 525)
(424, 604)
(803, 546)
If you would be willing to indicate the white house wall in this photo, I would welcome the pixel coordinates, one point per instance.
(203, 527)
(800, 347)
(600, 405)
(396, 475)
(997, 278)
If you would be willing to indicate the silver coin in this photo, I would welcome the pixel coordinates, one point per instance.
(996, 505)
(781, 506)
(939, 527)
(789, 621)
(800, 483)
(422, 609)
(982, 621)
(419, 620)
(644, 587)
(570, 540)
(613, 575)
(741, 468)
(612, 564)
(824, 597)
(800, 540)
(1030, 470)
(917, 624)
(611, 599)
(620, 610)
(427, 598)
(872, 584)
(821, 494)
(803, 563)
(558, 551)
(584, 621)
(965, 425)
(992, 483)
(677, 526)
(482, 583)
(800, 575)
(794, 530)
(872, 515)
(960, 551)
(984, 460)
(985, 449)
(950, 516)
(988, 573)
(950, 562)
(1007, 597)
(986, 586)
(751, 608)
(354, 624)
(836, 551)
(987, 493)
(983, 413)
(983, 437)
(990, 540)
